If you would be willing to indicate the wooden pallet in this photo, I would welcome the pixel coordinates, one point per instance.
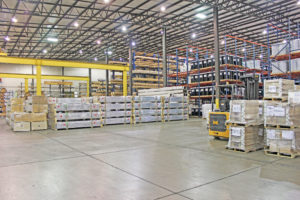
(244, 151)
(241, 124)
(280, 126)
(281, 154)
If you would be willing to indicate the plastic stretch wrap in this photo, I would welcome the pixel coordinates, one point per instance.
(78, 124)
(148, 105)
(148, 118)
(120, 99)
(176, 111)
(294, 97)
(246, 138)
(147, 98)
(176, 99)
(118, 106)
(117, 120)
(283, 139)
(148, 112)
(117, 114)
(245, 112)
(280, 113)
(278, 88)
(176, 117)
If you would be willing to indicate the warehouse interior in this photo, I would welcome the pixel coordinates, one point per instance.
(141, 99)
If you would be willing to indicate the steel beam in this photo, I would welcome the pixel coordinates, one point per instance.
(217, 55)
(90, 81)
(60, 63)
(124, 83)
(164, 50)
(38, 80)
(26, 85)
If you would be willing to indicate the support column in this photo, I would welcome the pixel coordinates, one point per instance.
(130, 68)
(217, 55)
(38, 80)
(107, 75)
(32, 80)
(164, 50)
(63, 86)
(124, 83)
(26, 85)
(89, 84)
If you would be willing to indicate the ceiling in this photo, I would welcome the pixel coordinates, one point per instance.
(38, 20)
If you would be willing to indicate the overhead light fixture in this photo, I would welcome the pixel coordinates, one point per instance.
(264, 32)
(6, 38)
(98, 42)
(95, 59)
(80, 51)
(261, 56)
(191, 50)
(162, 8)
(14, 19)
(200, 16)
(50, 39)
(109, 52)
(106, 1)
(133, 43)
(243, 49)
(76, 24)
(124, 29)
(223, 42)
(212, 56)
(194, 35)
(284, 41)
(298, 3)
(45, 51)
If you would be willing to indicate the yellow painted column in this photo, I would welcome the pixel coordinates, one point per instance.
(38, 80)
(88, 88)
(124, 83)
(26, 85)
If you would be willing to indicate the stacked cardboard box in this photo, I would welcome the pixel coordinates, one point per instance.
(21, 121)
(37, 104)
(282, 124)
(278, 89)
(246, 131)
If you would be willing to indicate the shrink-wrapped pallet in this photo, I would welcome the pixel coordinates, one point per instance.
(294, 97)
(283, 140)
(281, 114)
(246, 138)
(278, 88)
(245, 112)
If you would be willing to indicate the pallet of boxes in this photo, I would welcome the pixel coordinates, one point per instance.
(30, 114)
(246, 132)
(282, 118)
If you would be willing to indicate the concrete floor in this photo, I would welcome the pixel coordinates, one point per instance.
(171, 161)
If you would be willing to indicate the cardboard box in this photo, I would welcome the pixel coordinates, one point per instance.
(37, 100)
(278, 88)
(38, 117)
(246, 112)
(38, 126)
(281, 113)
(17, 100)
(37, 108)
(294, 97)
(21, 117)
(21, 126)
(17, 108)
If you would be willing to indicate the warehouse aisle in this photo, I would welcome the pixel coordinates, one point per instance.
(171, 161)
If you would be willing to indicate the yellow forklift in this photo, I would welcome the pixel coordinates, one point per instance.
(217, 119)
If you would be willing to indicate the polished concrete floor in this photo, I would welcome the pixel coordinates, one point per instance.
(170, 161)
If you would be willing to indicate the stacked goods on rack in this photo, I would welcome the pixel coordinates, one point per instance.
(175, 108)
(246, 131)
(82, 89)
(68, 113)
(99, 88)
(115, 110)
(147, 109)
(281, 118)
(2, 102)
(14, 105)
(37, 104)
